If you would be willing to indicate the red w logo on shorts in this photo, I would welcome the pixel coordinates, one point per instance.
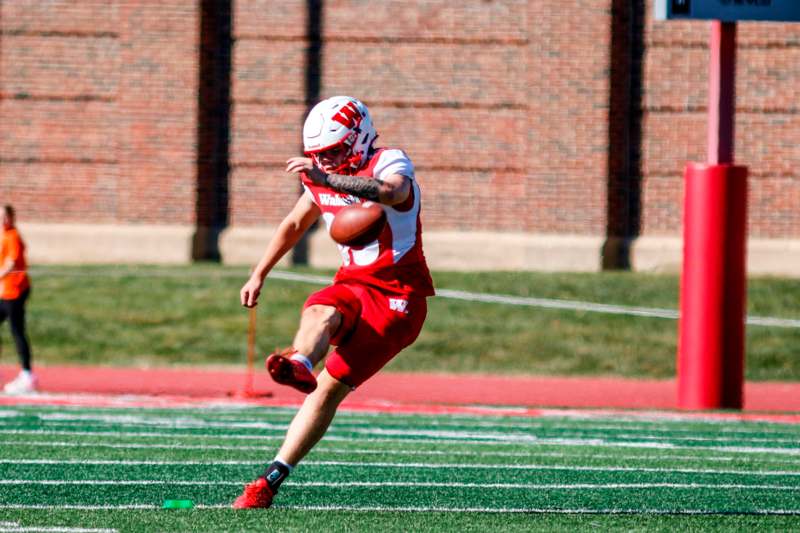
(348, 115)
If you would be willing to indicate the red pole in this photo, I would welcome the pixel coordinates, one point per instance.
(721, 92)
(713, 281)
(711, 340)
(251, 352)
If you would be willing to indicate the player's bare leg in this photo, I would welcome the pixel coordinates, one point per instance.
(293, 367)
(313, 419)
(307, 428)
(317, 325)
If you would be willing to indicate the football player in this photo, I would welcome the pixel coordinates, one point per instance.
(377, 303)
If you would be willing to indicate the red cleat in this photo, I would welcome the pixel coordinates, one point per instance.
(256, 495)
(293, 373)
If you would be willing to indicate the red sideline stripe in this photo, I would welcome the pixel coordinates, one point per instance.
(403, 388)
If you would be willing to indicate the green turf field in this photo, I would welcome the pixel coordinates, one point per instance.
(190, 315)
(87, 469)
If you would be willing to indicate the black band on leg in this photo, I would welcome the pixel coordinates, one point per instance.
(275, 474)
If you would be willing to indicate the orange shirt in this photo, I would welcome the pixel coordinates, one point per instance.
(15, 283)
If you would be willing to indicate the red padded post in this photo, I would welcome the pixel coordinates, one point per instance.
(713, 285)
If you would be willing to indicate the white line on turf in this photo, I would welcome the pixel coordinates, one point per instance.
(388, 452)
(359, 464)
(143, 434)
(194, 423)
(522, 437)
(589, 421)
(51, 529)
(182, 422)
(134, 482)
(400, 439)
(538, 510)
(544, 303)
(422, 509)
(17, 528)
(573, 305)
(551, 303)
(83, 507)
(70, 444)
(413, 484)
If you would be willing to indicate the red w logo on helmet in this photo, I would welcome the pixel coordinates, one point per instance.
(347, 115)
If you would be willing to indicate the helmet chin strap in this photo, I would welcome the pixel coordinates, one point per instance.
(354, 161)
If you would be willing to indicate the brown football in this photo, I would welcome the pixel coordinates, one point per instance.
(358, 224)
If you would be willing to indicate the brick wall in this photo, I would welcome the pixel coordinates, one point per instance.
(503, 106)
(98, 110)
(767, 121)
(506, 123)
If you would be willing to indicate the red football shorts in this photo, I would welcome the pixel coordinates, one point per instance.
(375, 327)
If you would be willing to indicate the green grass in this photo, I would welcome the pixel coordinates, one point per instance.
(190, 315)
(86, 467)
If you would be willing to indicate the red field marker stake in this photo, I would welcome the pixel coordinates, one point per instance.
(251, 353)
(249, 388)
(713, 281)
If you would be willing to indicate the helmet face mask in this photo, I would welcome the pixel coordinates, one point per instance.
(339, 121)
(333, 159)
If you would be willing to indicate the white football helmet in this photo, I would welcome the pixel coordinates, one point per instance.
(339, 120)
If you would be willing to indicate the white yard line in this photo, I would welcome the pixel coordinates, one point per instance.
(143, 434)
(178, 422)
(351, 421)
(389, 452)
(564, 436)
(543, 303)
(187, 422)
(133, 482)
(51, 529)
(430, 509)
(663, 423)
(590, 442)
(17, 527)
(533, 510)
(22, 506)
(588, 307)
(553, 303)
(380, 464)
(356, 451)
(411, 484)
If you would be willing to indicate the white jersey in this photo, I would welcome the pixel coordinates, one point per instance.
(395, 260)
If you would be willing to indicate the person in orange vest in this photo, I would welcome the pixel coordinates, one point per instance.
(15, 287)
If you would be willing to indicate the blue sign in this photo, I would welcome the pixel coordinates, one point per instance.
(729, 10)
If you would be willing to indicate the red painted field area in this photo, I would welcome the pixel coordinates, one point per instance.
(389, 391)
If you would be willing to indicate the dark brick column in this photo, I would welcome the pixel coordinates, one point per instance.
(213, 127)
(313, 88)
(624, 133)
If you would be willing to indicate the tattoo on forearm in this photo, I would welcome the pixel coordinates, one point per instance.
(368, 189)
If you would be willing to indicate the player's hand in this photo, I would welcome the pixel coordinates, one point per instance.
(250, 291)
(305, 166)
